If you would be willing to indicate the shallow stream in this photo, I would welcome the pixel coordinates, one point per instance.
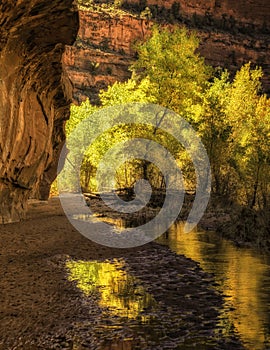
(241, 274)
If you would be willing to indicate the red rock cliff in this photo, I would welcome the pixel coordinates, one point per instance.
(256, 12)
(34, 97)
(231, 33)
(103, 51)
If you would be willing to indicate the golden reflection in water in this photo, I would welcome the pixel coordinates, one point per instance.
(241, 275)
(118, 224)
(119, 291)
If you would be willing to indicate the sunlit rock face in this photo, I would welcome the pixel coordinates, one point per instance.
(35, 94)
(246, 11)
(231, 32)
(103, 52)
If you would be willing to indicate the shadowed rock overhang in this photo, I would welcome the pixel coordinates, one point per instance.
(35, 94)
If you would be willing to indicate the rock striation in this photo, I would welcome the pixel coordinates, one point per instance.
(103, 51)
(35, 93)
(248, 12)
(231, 33)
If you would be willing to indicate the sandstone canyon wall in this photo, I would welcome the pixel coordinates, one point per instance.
(254, 12)
(34, 97)
(231, 33)
(37, 81)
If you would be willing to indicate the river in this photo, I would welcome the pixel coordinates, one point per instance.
(243, 276)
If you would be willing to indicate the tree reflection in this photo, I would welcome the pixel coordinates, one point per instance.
(118, 291)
